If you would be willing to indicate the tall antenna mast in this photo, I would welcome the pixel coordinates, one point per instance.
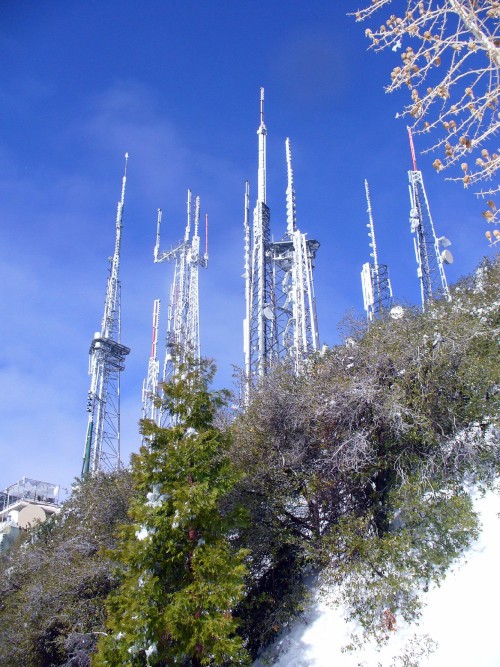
(430, 258)
(260, 323)
(106, 361)
(280, 310)
(377, 290)
(183, 320)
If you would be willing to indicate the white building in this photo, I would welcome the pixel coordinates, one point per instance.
(24, 504)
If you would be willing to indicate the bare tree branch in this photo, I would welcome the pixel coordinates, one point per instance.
(451, 66)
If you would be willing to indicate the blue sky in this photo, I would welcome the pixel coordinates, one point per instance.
(176, 84)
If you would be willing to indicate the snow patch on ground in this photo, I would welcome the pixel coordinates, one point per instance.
(461, 616)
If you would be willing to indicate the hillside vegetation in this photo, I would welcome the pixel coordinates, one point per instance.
(358, 472)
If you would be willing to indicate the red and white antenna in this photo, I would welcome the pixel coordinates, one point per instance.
(412, 148)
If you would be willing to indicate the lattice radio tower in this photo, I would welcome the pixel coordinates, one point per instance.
(431, 252)
(280, 310)
(375, 282)
(106, 361)
(183, 318)
(260, 338)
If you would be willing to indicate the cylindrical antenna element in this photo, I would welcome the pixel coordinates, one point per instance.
(154, 335)
(157, 244)
(206, 235)
(261, 177)
(196, 215)
(290, 192)
(188, 222)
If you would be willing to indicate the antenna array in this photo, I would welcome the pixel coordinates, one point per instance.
(183, 318)
(280, 311)
(280, 315)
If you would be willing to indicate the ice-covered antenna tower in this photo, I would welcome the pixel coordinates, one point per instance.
(431, 252)
(106, 361)
(260, 339)
(377, 290)
(296, 305)
(150, 388)
(183, 319)
(280, 314)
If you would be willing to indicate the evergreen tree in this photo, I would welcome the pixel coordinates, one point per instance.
(181, 577)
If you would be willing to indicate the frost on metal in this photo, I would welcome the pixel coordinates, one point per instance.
(280, 307)
(183, 318)
(106, 362)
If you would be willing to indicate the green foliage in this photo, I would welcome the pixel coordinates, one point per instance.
(380, 575)
(361, 466)
(54, 581)
(182, 576)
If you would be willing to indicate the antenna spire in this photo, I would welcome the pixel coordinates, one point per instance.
(124, 179)
(262, 107)
(412, 149)
(261, 177)
(371, 233)
(290, 192)
(280, 311)
(157, 244)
